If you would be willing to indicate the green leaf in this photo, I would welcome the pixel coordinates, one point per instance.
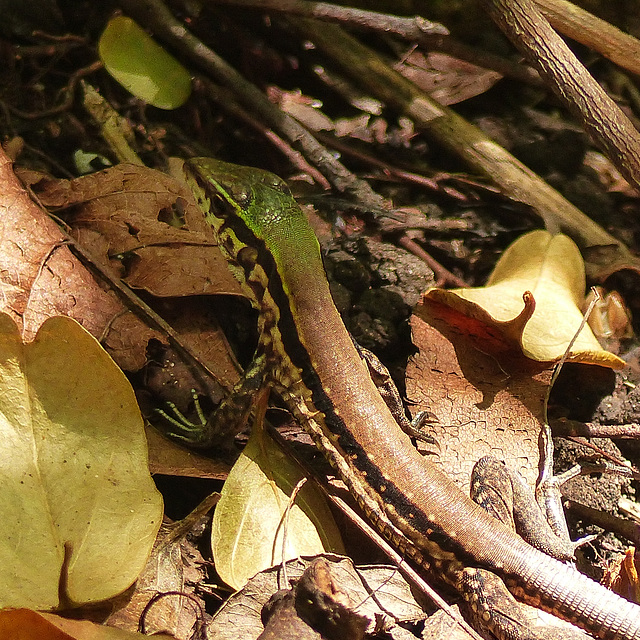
(246, 536)
(79, 511)
(142, 66)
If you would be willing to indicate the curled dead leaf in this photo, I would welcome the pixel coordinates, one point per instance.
(545, 270)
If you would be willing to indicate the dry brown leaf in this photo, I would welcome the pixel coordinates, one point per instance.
(484, 397)
(303, 108)
(24, 624)
(170, 459)
(126, 215)
(239, 616)
(621, 575)
(445, 78)
(40, 278)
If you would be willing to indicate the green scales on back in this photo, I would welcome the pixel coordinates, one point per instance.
(273, 253)
(265, 212)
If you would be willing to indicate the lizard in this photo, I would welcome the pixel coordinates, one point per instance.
(312, 363)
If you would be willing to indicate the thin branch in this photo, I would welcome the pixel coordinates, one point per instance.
(605, 122)
(593, 32)
(565, 427)
(156, 16)
(417, 30)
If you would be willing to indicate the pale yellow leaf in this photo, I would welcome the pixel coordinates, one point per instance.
(79, 511)
(551, 268)
(246, 535)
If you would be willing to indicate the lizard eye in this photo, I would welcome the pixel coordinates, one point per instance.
(241, 194)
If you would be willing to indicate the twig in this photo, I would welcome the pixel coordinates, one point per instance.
(430, 183)
(430, 35)
(114, 129)
(284, 522)
(620, 526)
(565, 427)
(597, 34)
(443, 275)
(155, 15)
(532, 34)
(47, 50)
(413, 29)
(66, 102)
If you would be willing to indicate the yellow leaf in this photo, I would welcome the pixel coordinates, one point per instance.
(550, 267)
(246, 535)
(79, 511)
